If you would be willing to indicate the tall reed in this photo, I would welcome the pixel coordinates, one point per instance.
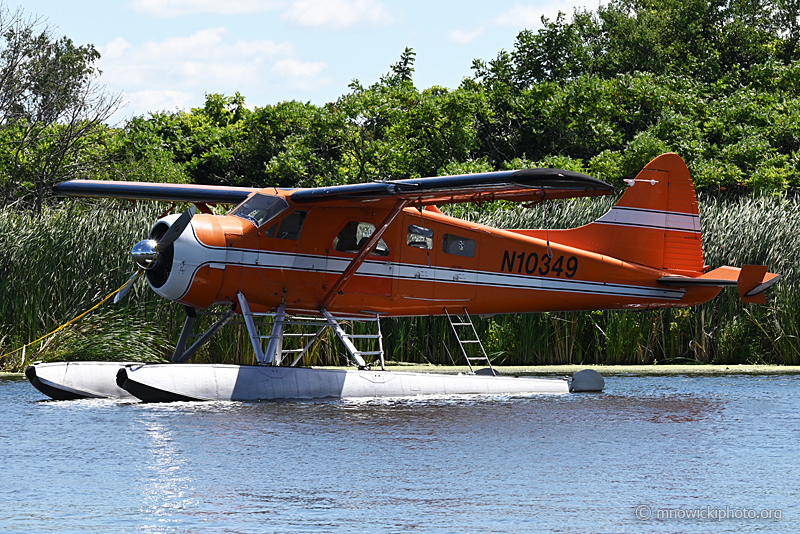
(57, 265)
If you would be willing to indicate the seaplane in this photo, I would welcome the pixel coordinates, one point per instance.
(318, 257)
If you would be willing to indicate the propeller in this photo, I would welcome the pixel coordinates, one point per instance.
(144, 252)
(175, 230)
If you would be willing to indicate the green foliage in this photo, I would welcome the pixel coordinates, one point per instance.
(51, 110)
(603, 91)
(58, 265)
(698, 38)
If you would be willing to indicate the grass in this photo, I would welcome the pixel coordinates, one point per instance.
(59, 264)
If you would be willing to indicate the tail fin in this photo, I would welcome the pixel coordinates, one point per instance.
(655, 223)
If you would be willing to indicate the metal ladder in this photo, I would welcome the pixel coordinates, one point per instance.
(318, 325)
(467, 321)
(275, 352)
(348, 338)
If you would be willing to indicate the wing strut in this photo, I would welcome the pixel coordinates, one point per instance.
(356, 262)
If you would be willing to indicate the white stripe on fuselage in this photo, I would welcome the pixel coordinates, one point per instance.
(403, 271)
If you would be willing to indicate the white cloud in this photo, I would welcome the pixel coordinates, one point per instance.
(176, 8)
(155, 101)
(463, 37)
(337, 14)
(298, 75)
(115, 48)
(160, 74)
(530, 16)
(203, 58)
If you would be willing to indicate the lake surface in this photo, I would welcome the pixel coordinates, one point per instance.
(720, 446)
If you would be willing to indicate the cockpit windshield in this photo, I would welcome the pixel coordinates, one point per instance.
(259, 209)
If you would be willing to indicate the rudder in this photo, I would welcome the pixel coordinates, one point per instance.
(655, 223)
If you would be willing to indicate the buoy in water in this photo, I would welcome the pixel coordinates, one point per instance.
(586, 380)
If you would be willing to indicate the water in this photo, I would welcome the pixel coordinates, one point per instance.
(573, 463)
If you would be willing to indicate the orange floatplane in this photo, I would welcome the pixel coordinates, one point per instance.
(384, 249)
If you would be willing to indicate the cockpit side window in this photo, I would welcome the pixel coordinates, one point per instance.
(354, 235)
(259, 209)
(419, 237)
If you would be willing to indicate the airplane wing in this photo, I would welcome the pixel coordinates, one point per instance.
(206, 194)
(524, 185)
(528, 185)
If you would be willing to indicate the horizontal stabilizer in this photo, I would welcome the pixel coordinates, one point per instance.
(750, 280)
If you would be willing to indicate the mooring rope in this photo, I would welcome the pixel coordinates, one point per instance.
(127, 282)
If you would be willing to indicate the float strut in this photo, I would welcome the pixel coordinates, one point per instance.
(191, 315)
(205, 337)
(345, 339)
(255, 340)
(275, 344)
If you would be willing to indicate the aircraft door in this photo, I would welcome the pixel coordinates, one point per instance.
(374, 276)
(415, 273)
(456, 265)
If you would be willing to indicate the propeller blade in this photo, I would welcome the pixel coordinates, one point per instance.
(176, 229)
(129, 284)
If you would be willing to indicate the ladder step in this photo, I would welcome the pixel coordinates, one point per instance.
(363, 336)
(286, 334)
(470, 341)
(364, 353)
(291, 351)
(461, 324)
(481, 358)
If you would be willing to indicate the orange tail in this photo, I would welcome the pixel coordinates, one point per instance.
(655, 223)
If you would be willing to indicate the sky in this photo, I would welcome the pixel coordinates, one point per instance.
(165, 55)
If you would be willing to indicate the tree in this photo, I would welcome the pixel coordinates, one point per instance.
(706, 39)
(52, 109)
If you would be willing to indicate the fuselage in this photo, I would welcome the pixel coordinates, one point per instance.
(425, 262)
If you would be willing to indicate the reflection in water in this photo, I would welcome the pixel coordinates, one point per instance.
(571, 463)
(167, 485)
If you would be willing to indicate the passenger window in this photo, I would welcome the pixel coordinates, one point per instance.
(291, 225)
(354, 235)
(419, 237)
(460, 246)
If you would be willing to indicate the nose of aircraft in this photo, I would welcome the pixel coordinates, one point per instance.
(190, 269)
(154, 255)
(163, 277)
